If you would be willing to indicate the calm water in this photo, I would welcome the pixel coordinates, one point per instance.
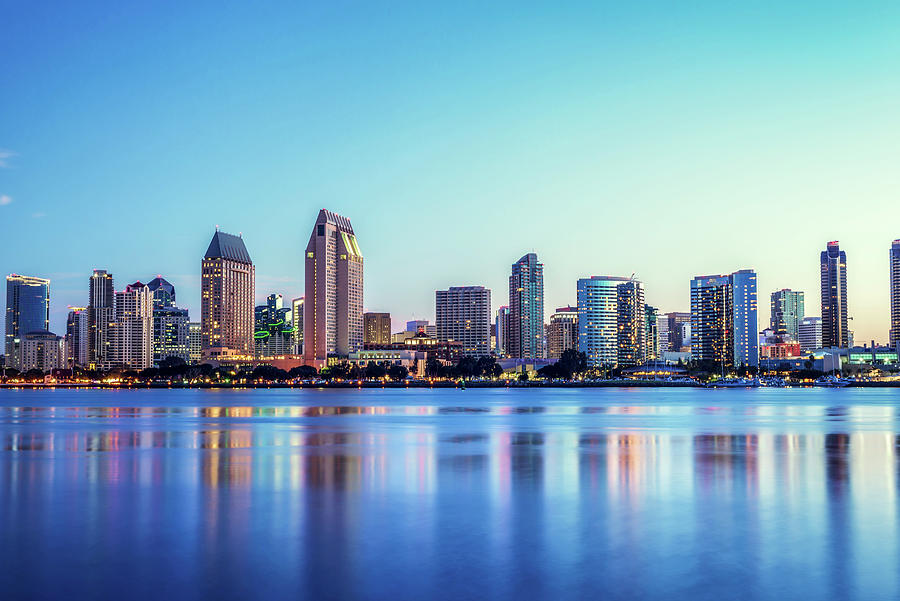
(448, 494)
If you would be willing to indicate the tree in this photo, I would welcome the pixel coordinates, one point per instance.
(434, 368)
(268, 372)
(571, 363)
(338, 371)
(523, 377)
(375, 371)
(397, 372)
(303, 372)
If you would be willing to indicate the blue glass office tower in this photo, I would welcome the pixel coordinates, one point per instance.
(724, 319)
(27, 309)
(611, 321)
(526, 308)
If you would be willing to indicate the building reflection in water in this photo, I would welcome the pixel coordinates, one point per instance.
(533, 484)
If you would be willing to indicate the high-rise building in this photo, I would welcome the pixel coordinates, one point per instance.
(611, 322)
(724, 320)
(228, 288)
(377, 327)
(417, 325)
(40, 349)
(501, 332)
(662, 333)
(675, 326)
(333, 312)
(77, 336)
(27, 310)
(101, 315)
(195, 342)
(171, 337)
(133, 327)
(274, 334)
(562, 332)
(787, 309)
(526, 308)
(297, 319)
(833, 263)
(810, 334)
(651, 320)
(463, 314)
(163, 293)
(895, 293)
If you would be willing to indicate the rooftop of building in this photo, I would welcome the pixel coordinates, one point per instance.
(339, 221)
(227, 246)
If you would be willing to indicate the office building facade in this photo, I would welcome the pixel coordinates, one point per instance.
(274, 332)
(833, 266)
(133, 328)
(562, 331)
(526, 309)
(27, 310)
(77, 336)
(101, 315)
(810, 334)
(611, 321)
(297, 319)
(501, 332)
(377, 327)
(195, 342)
(333, 301)
(786, 310)
(724, 319)
(228, 286)
(463, 314)
(651, 321)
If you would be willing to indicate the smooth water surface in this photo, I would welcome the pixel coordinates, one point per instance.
(450, 494)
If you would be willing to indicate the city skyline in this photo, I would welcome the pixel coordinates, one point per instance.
(619, 115)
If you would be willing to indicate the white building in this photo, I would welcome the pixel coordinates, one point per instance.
(133, 336)
(810, 333)
(41, 350)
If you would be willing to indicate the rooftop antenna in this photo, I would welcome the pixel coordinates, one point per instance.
(217, 227)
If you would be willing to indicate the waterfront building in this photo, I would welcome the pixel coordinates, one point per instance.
(333, 311)
(377, 327)
(228, 288)
(501, 332)
(611, 321)
(895, 293)
(662, 333)
(526, 308)
(463, 314)
(77, 336)
(274, 334)
(101, 315)
(787, 309)
(297, 320)
(651, 319)
(40, 349)
(810, 334)
(562, 331)
(679, 336)
(133, 327)
(195, 342)
(27, 309)
(171, 335)
(833, 264)
(162, 293)
(632, 324)
(724, 319)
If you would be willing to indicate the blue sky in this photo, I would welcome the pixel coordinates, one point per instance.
(661, 139)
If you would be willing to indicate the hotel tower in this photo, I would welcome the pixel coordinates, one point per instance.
(228, 284)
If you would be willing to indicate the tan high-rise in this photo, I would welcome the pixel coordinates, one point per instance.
(227, 298)
(333, 306)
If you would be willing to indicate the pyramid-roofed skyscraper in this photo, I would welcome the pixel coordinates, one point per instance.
(227, 298)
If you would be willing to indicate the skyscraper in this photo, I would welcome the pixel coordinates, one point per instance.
(228, 287)
(501, 332)
(463, 314)
(377, 327)
(833, 264)
(651, 320)
(333, 311)
(297, 319)
(611, 328)
(787, 309)
(195, 342)
(526, 308)
(170, 323)
(895, 293)
(562, 333)
(27, 310)
(77, 336)
(675, 326)
(274, 332)
(724, 319)
(101, 315)
(810, 334)
(163, 292)
(133, 327)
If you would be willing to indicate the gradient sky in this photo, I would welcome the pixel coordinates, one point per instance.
(665, 139)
